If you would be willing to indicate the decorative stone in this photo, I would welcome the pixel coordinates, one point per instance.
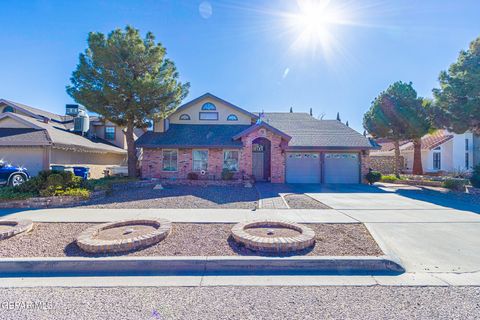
(125, 235)
(10, 228)
(158, 187)
(273, 236)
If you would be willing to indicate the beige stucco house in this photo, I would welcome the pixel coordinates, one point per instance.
(37, 139)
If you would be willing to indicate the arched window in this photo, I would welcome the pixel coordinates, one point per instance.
(232, 117)
(208, 106)
(8, 109)
(184, 117)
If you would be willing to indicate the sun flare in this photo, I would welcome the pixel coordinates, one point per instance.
(314, 25)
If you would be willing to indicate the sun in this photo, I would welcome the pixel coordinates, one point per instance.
(314, 24)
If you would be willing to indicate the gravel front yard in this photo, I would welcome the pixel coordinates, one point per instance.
(248, 303)
(57, 240)
(302, 201)
(183, 197)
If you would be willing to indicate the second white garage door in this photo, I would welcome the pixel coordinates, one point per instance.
(342, 168)
(303, 167)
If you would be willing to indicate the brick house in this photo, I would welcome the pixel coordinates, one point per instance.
(209, 134)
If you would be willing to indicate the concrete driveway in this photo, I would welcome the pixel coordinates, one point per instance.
(428, 232)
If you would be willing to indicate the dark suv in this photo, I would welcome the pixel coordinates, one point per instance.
(11, 175)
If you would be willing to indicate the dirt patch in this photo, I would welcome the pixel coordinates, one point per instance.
(302, 201)
(272, 232)
(125, 232)
(57, 240)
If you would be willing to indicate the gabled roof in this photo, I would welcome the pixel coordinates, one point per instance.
(59, 136)
(193, 136)
(34, 112)
(308, 132)
(23, 137)
(213, 97)
(262, 125)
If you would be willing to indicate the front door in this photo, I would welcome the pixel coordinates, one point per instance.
(258, 161)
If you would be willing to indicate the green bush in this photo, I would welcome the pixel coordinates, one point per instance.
(373, 176)
(389, 178)
(102, 183)
(475, 179)
(227, 174)
(455, 184)
(10, 193)
(75, 192)
(50, 183)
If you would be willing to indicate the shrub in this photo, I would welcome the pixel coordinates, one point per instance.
(192, 176)
(227, 174)
(102, 183)
(475, 178)
(373, 176)
(50, 183)
(75, 192)
(455, 184)
(389, 178)
(10, 193)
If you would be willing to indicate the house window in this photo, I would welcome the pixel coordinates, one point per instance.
(466, 145)
(8, 109)
(170, 160)
(110, 133)
(230, 160)
(437, 162)
(232, 117)
(208, 106)
(184, 117)
(467, 160)
(208, 116)
(200, 160)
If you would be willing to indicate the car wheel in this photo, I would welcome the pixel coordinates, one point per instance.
(16, 180)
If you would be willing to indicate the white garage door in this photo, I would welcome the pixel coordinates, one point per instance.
(303, 167)
(342, 168)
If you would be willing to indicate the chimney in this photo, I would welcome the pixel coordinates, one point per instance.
(45, 120)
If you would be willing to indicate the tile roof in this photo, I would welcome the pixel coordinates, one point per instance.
(193, 136)
(431, 141)
(309, 132)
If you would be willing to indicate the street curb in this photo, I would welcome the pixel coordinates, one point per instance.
(199, 265)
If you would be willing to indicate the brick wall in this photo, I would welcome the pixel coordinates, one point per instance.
(152, 160)
(365, 159)
(384, 164)
(152, 165)
(277, 156)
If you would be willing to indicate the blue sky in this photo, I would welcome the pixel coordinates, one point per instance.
(246, 52)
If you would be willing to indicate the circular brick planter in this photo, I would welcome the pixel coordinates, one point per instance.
(273, 236)
(9, 228)
(125, 235)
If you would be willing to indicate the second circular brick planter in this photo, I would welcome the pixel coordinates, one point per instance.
(94, 240)
(291, 236)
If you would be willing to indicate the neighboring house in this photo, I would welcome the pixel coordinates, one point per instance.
(37, 139)
(208, 134)
(442, 151)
